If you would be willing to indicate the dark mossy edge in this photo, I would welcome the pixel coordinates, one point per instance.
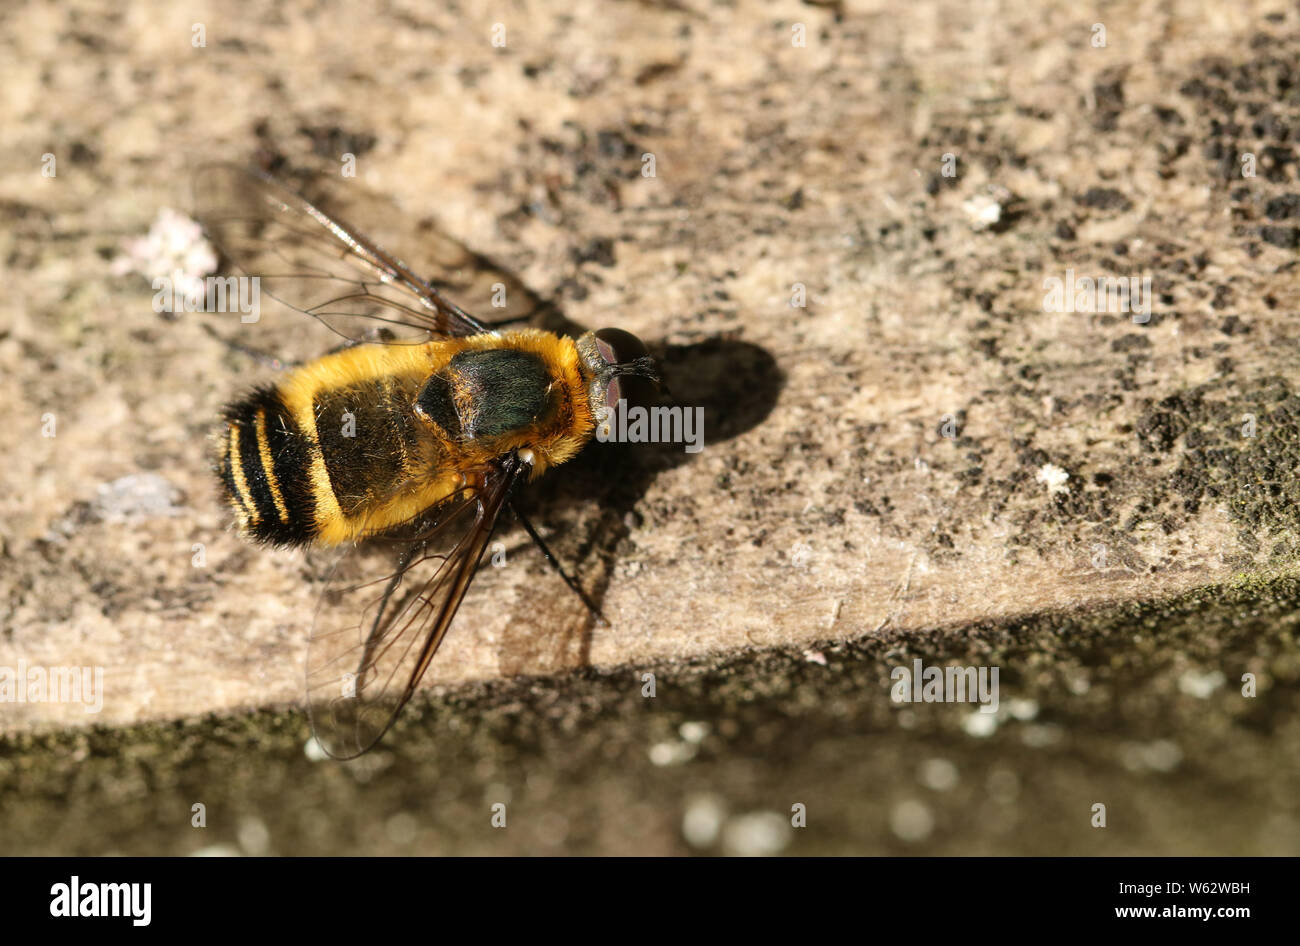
(733, 678)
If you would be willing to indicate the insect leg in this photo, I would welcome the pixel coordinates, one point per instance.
(555, 563)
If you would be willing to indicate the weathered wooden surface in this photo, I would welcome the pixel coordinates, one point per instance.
(827, 503)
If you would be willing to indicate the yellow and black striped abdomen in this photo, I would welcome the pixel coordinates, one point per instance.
(370, 437)
(332, 453)
(265, 462)
(341, 462)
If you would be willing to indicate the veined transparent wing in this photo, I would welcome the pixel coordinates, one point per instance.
(323, 258)
(374, 637)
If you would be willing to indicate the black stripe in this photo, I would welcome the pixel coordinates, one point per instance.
(258, 486)
(290, 462)
(291, 457)
(227, 472)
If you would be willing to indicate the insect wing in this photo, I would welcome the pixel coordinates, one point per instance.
(328, 265)
(373, 639)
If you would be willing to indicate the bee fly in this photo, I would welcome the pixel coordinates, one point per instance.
(416, 441)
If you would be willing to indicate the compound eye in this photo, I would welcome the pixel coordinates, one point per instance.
(617, 346)
(613, 393)
(636, 391)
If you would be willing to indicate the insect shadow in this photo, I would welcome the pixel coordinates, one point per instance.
(736, 384)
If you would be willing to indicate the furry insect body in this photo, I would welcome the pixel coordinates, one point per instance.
(368, 438)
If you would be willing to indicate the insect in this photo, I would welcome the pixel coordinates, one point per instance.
(414, 436)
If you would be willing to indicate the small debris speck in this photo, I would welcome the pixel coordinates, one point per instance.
(938, 774)
(980, 725)
(756, 834)
(911, 820)
(983, 211)
(1053, 477)
(702, 820)
(1201, 685)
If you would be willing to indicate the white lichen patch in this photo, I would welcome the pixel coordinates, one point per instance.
(174, 248)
